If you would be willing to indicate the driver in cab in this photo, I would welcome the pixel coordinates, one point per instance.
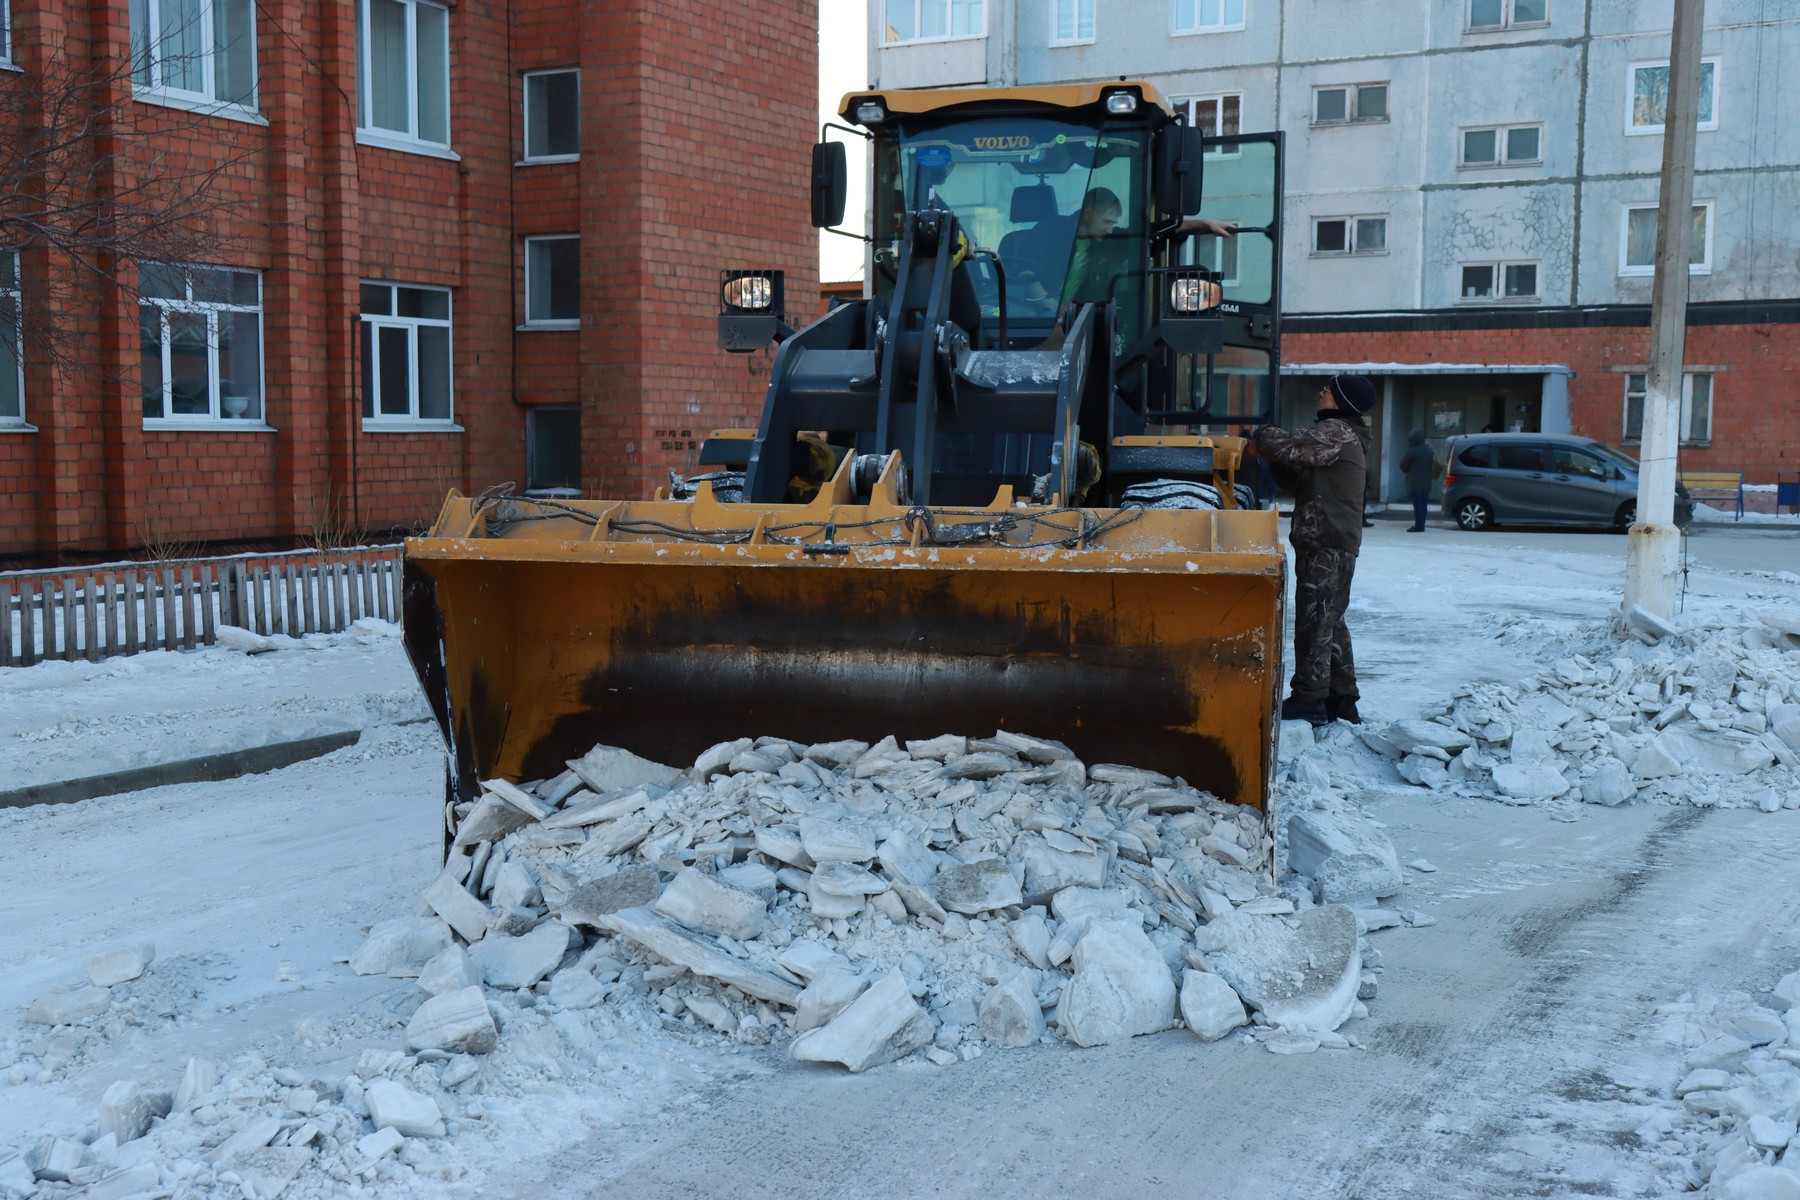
(1091, 272)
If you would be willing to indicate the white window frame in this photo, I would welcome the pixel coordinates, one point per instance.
(1351, 92)
(1350, 247)
(1703, 267)
(410, 420)
(1190, 109)
(1502, 134)
(1497, 282)
(370, 134)
(915, 5)
(1631, 74)
(1507, 19)
(214, 416)
(549, 322)
(1641, 393)
(6, 34)
(148, 59)
(1080, 9)
(14, 293)
(525, 116)
(1223, 25)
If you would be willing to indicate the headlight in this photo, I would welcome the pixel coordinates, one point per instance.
(870, 112)
(1191, 295)
(751, 293)
(1121, 103)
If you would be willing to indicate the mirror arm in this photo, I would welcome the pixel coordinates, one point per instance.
(861, 237)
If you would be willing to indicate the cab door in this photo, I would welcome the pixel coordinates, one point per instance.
(1241, 182)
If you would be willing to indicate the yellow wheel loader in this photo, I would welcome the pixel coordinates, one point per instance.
(974, 501)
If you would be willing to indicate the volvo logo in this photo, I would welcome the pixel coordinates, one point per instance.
(1017, 141)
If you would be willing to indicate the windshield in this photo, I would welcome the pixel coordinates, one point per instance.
(1056, 204)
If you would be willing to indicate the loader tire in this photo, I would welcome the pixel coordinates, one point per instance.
(1173, 494)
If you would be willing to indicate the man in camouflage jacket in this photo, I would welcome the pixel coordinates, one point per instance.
(1325, 468)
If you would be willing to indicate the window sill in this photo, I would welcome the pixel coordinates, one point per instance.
(1075, 42)
(405, 145)
(934, 41)
(1490, 301)
(1348, 254)
(546, 159)
(1656, 130)
(552, 326)
(7, 64)
(1650, 272)
(1207, 30)
(1499, 166)
(1351, 121)
(205, 425)
(403, 425)
(16, 427)
(1507, 28)
(206, 108)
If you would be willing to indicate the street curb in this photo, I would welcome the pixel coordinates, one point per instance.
(209, 768)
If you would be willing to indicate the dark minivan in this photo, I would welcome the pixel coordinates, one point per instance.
(1544, 479)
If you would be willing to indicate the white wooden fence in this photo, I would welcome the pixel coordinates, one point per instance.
(178, 606)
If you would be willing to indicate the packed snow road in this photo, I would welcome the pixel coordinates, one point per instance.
(1513, 1050)
(1561, 971)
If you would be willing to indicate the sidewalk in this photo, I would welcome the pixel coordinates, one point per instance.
(74, 730)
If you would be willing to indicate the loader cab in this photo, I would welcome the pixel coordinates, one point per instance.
(1053, 208)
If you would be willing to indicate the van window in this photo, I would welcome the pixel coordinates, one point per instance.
(1474, 456)
(1570, 460)
(1512, 456)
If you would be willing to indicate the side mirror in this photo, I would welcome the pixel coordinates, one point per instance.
(830, 184)
(1178, 156)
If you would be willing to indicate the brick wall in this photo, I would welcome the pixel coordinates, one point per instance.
(1755, 403)
(696, 123)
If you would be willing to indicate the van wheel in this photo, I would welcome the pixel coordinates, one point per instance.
(1474, 514)
(1627, 517)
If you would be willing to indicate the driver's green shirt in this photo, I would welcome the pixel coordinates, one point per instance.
(1078, 264)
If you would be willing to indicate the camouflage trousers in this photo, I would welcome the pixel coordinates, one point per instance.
(1323, 665)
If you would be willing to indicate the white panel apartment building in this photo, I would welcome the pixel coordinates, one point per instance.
(1471, 190)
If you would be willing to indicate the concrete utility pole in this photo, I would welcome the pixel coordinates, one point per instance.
(1653, 557)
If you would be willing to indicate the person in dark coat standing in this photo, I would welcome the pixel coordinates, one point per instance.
(1325, 468)
(1421, 467)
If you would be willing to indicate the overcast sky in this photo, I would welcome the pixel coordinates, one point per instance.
(843, 67)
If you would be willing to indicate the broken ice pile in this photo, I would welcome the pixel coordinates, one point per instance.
(862, 903)
(1740, 1099)
(1709, 716)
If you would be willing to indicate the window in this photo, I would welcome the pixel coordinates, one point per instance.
(200, 343)
(1071, 22)
(1518, 456)
(934, 20)
(1573, 460)
(1504, 14)
(403, 71)
(195, 50)
(5, 32)
(1208, 16)
(1500, 145)
(552, 116)
(1696, 407)
(1353, 102)
(553, 450)
(1513, 281)
(1213, 116)
(1476, 455)
(1350, 235)
(1647, 96)
(12, 359)
(553, 281)
(406, 353)
(1637, 240)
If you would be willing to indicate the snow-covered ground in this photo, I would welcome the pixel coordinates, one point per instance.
(1582, 961)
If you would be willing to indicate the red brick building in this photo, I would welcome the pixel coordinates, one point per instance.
(470, 244)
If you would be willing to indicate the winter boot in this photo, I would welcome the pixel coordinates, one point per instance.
(1343, 708)
(1313, 711)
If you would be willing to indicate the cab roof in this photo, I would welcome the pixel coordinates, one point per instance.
(1064, 95)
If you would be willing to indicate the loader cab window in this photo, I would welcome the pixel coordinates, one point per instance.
(1059, 206)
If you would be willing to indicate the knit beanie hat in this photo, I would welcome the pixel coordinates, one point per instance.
(1353, 392)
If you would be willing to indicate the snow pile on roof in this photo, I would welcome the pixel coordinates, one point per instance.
(1709, 715)
(1740, 1097)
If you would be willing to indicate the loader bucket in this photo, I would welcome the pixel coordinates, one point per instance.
(539, 629)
